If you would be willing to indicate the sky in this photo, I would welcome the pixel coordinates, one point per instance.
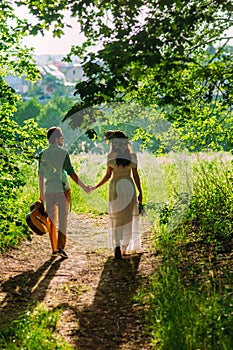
(47, 45)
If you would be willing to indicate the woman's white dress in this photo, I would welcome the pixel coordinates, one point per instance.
(123, 225)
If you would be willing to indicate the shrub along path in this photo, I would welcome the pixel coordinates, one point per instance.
(94, 291)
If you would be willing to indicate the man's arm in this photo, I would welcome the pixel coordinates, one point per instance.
(41, 188)
(79, 182)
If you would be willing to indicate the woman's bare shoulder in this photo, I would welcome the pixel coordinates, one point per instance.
(111, 155)
(134, 160)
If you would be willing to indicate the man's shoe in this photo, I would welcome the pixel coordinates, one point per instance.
(62, 253)
(55, 253)
(117, 253)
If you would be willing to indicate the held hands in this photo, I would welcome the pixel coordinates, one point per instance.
(92, 188)
(89, 189)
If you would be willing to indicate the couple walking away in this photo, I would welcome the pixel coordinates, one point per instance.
(123, 213)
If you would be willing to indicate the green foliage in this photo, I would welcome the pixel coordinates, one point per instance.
(44, 114)
(54, 111)
(147, 128)
(138, 37)
(188, 302)
(33, 330)
(194, 97)
(15, 58)
(18, 144)
(172, 57)
(27, 110)
(211, 211)
(18, 148)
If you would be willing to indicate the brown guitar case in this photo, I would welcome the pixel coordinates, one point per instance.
(37, 219)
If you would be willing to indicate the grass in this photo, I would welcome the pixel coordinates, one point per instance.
(183, 317)
(90, 169)
(33, 330)
(169, 176)
(188, 304)
(188, 301)
(185, 309)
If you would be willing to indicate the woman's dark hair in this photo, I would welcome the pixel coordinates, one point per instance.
(114, 134)
(122, 161)
(120, 145)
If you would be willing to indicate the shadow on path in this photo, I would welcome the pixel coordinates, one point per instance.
(25, 290)
(111, 320)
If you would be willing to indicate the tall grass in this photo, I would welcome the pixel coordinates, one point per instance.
(169, 175)
(182, 316)
(189, 300)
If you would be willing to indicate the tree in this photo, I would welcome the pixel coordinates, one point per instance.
(154, 45)
(17, 144)
(195, 97)
(27, 110)
(54, 111)
(15, 58)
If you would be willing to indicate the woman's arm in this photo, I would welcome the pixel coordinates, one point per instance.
(138, 183)
(105, 178)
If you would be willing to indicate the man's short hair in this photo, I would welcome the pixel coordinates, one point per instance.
(53, 133)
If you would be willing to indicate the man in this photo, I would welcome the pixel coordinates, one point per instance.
(54, 166)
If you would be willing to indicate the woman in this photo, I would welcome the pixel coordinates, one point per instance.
(124, 234)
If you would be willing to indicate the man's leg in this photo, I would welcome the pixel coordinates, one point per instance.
(63, 210)
(51, 209)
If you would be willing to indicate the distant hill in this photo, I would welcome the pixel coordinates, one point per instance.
(43, 60)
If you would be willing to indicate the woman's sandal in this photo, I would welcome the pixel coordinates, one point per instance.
(117, 253)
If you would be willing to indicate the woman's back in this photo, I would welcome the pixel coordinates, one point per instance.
(120, 170)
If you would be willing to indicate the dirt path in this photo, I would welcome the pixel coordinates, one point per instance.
(93, 289)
